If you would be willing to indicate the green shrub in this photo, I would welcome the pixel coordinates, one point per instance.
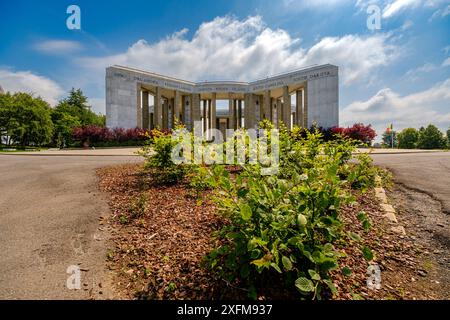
(362, 175)
(199, 180)
(158, 159)
(283, 226)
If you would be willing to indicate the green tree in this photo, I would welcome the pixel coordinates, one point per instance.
(387, 139)
(26, 119)
(64, 124)
(431, 138)
(5, 102)
(76, 105)
(407, 138)
(448, 138)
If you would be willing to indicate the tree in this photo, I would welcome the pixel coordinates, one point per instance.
(387, 139)
(407, 138)
(431, 138)
(76, 105)
(64, 124)
(360, 132)
(26, 119)
(5, 102)
(448, 138)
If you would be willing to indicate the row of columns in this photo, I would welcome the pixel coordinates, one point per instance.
(250, 110)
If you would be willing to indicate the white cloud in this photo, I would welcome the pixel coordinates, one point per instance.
(58, 46)
(413, 110)
(441, 13)
(227, 48)
(446, 62)
(414, 74)
(407, 25)
(397, 6)
(26, 81)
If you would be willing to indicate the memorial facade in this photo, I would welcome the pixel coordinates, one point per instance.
(136, 98)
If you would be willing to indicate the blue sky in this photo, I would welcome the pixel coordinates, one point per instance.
(399, 73)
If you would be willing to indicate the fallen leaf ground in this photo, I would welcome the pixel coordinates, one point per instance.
(158, 244)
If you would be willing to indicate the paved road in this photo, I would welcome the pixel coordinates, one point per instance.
(49, 220)
(426, 172)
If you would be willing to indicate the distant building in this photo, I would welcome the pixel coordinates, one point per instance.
(1, 90)
(137, 98)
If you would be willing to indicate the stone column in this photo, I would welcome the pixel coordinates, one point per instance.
(239, 113)
(165, 114)
(267, 108)
(213, 111)
(195, 108)
(145, 110)
(171, 113)
(305, 106)
(246, 110)
(204, 114)
(158, 108)
(286, 107)
(299, 108)
(177, 109)
(279, 106)
(231, 118)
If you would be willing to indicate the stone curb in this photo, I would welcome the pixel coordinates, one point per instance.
(389, 210)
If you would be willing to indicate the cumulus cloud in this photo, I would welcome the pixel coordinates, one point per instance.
(413, 110)
(397, 6)
(446, 62)
(58, 46)
(414, 74)
(442, 12)
(227, 48)
(26, 81)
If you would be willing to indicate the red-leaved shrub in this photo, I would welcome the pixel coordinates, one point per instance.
(92, 135)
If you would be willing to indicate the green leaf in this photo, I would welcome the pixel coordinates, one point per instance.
(287, 264)
(314, 275)
(361, 216)
(304, 285)
(367, 253)
(328, 264)
(276, 267)
(246, 212)
(366, 225)
(242, 193)
(330, 285)
(301, 219)
(354, 236)
(261, 263)
(346, 271)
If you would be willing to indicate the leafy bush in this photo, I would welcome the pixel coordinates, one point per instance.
(97, 136)
(431, 138)
(359, 132)
(158, 158)
(199, 180)
(283, 226)
(407, 138)
(25, 119)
